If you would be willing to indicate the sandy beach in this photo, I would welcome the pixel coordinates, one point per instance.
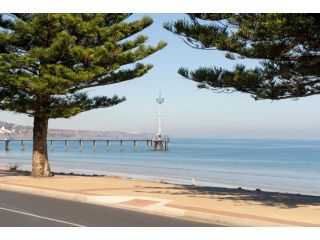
(233, 207)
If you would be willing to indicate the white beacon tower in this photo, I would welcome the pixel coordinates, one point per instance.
(159, 100)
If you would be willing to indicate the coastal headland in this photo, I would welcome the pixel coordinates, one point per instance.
(223, 206)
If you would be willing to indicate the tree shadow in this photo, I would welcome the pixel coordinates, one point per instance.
(282, 200)
(6, 173)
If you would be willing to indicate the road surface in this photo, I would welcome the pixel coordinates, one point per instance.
(25, 210)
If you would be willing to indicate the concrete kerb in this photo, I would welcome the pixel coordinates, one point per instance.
(230, 221)
(159, 208)
(109, 201)
(163, 210)
(44, 192)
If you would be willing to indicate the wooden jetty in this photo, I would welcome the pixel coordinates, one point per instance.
(155, 144)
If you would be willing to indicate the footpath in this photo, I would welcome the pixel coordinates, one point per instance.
(230, 207)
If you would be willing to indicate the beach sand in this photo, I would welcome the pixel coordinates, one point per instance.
(252, 208)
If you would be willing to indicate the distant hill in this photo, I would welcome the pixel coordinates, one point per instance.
(25, 132)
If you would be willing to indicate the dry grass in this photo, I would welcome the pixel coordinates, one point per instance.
(14, 167)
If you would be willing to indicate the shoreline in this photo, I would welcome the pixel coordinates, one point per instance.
(207, 188)
(166, 180)
(226, 206)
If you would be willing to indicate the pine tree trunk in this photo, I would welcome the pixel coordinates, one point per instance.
(40, 163)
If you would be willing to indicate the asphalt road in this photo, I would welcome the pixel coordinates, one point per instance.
(25, 210)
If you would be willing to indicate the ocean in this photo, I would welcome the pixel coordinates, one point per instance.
(271, 165)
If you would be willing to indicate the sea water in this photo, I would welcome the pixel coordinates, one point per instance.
(270, 165)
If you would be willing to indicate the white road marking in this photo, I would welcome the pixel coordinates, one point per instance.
(37, 216)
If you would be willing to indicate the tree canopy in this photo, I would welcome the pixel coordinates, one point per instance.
(287, 46)
(48, 60)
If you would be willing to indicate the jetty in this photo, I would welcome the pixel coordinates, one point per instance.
(156, 144)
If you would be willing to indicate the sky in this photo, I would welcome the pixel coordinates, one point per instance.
(188, 111)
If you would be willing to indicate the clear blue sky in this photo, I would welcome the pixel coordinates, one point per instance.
(188, 111)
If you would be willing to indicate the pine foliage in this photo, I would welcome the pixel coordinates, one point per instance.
(47, 61)
(287, 46)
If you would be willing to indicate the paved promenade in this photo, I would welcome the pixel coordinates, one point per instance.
(221, 206)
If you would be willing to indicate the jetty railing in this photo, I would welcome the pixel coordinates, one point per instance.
(157, 144)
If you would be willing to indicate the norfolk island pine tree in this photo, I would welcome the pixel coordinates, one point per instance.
(287, 45)
(48, 60)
